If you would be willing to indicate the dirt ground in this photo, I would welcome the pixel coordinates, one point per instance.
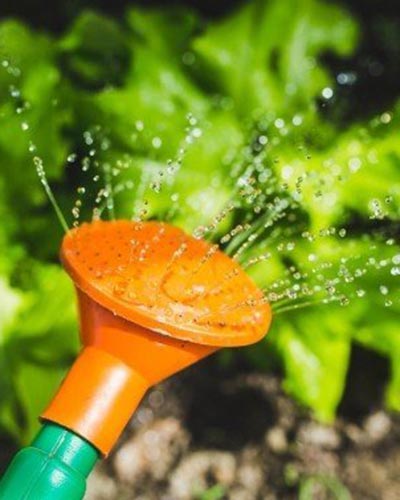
(237, 429)
(211, 433)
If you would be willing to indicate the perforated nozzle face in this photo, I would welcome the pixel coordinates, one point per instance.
(155, 275)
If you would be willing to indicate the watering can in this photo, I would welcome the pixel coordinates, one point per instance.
(152, 301)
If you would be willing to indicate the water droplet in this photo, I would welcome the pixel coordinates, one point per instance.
(156, 142)
(263, 140)
(139, 125)
(395, 271)
(354, 164)
(396, 259)
(386, 118)
(14, 92)
(197, 132)
(287, 172)
(327, 93)
(85, 164)
(155, 186)
(120, 288)
(297, 120)
(346, 78)
(88, 138)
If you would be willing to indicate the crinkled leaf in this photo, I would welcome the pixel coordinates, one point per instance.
(40, 341)
(315, 350)
(250, 57)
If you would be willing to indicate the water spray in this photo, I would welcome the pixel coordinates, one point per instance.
(152, 301)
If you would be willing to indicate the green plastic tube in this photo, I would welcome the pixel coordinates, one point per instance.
(54, 467)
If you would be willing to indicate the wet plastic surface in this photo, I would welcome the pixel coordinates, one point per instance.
(54, 467)
(161, 278)
(152, 301)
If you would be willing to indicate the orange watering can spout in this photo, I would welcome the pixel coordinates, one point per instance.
(119, 362)
(152, 301)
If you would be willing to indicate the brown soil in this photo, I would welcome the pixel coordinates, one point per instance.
(236, 428)
(208, 426)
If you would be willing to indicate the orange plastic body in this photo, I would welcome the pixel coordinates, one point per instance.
(152, 301)
(119, 362)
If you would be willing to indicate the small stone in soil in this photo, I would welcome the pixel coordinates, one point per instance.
(322, 436)
(377, 426)
(276, 440)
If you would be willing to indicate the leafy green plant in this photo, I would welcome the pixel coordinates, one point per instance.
(216, 492)
(124, 101)
(329, 485)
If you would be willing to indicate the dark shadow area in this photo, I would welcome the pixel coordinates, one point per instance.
(56, 16)
(7, 450)
(365, 385)
(222, 412)
(375, 65)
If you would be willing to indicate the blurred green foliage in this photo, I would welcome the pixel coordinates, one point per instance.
(125, 89)
(214, 493)
(309, 487)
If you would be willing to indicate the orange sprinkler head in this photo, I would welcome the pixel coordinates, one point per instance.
(152, 301)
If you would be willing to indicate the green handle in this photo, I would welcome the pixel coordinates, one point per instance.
(54, 467)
